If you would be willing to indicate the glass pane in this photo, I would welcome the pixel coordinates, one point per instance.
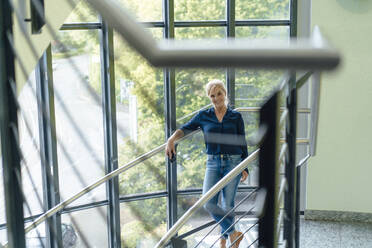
(79, 124)
(254, 86)
(30, 147)
(263, 32)
(157, 33)
(251, 122)
(184, 203)
(83, 12)
(191, 161)
(89, 225)
(199, 218)
(140, 118)
(262, 9)
(196, 10)
(200, 33)
(144, 10)
(143, 223)
(148, 176)
(36, 237)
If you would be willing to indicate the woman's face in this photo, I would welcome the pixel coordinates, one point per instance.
(217, 97)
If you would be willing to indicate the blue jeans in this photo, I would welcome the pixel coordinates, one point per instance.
(217, 167)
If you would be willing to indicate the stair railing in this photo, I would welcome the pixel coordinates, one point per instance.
(107, 177)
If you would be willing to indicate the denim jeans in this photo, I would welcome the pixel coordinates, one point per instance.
(217, 167)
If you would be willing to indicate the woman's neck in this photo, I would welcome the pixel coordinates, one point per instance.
(221, 109)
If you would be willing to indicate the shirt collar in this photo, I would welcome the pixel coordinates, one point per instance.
(228, 111)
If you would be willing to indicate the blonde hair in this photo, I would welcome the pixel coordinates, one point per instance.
(216, 84)
(213, 84)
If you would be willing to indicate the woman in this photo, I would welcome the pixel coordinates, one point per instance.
(226, 147)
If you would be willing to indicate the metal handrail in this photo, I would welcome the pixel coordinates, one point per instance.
(280, 221)
(299, 54)
(105, 178)
(315, 112)
(304, 160)
(206, 197)
(283, 187)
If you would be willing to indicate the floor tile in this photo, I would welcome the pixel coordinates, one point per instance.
(320, 234)
(358, 235)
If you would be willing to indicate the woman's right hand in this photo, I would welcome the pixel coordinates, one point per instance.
(170, 149)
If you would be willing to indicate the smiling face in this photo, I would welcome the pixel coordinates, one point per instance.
(217, 96)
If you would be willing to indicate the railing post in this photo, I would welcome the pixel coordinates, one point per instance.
(297, 210)
(110, 130)
(9, 133)
(291, 168)
(48, 146)
(269, 172)
(170, 117)
(230, 33)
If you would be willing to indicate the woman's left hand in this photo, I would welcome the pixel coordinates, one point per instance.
(244, 176)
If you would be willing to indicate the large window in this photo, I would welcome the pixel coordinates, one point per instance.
(142, 95)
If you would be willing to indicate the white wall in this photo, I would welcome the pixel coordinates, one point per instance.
(56, 12)
(339, 177)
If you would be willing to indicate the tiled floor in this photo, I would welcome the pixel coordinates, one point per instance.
(323, 234)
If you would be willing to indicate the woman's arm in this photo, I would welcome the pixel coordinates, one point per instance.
(170, 148)
(241, 133)
(190, 126)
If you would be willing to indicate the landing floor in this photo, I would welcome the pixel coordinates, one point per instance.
(324, 234)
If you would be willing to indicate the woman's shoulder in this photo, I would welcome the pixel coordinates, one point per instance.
(234, 113)
(206, 111)
(202, 113)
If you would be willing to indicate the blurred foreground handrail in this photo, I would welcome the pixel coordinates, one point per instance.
(206, 197)
(100, 181)
(312, 53)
